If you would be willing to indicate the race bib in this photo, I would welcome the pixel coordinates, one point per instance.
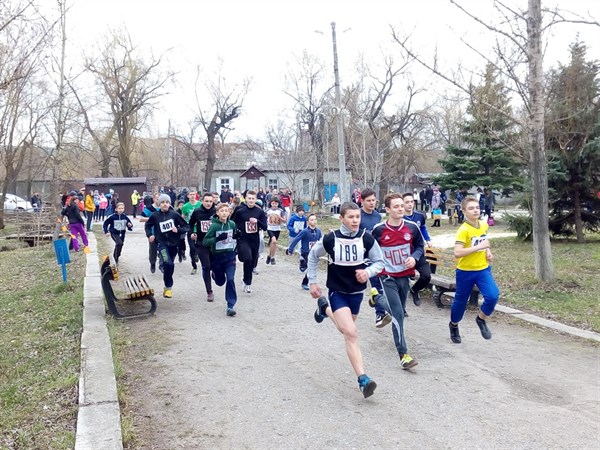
(349, 252)
(251, 227)
(120, 225)
(226, 244)
(204, 225)
(475, 240)
(310, 244)
(298, 227)
(167, 225)
(394, 258)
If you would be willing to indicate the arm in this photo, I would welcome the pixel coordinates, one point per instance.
(106, 224)
(376, 258)
(313, 264)
(149, 225)
(193, 221)
(262, 221)
(460, 250)
(295, 241)
(418, 244)
(182, 226)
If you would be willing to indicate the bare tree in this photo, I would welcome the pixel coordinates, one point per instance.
(518, 48)
(129, 86)
(215, 116)
(22, 42)
(311, 102)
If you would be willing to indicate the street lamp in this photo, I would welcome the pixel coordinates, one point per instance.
(343, 189)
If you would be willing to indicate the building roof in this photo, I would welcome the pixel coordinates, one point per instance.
(116, 180)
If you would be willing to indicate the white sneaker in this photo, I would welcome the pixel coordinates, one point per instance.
(247, 289)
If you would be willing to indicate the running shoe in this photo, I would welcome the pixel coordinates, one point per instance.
(454, 333)
(366, 385)
(247, 289)
(167, 293)
(254, 271)
(231, 312)
(152, 268)
(272, 261)
(305, 287)
(210, 297)
(416, 298)
(268, 260)
(373, 297)
(405, 313)
(485, 331)
(194, 271)
(320, 313)
(381, 320)
(408, 361)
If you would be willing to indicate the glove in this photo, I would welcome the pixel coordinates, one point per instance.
(221, 237)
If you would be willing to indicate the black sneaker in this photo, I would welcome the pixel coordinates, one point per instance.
(454, 333)
(416, 298)
(485, 331)
(268, 260)
(381, 320)
(320, 313)
(231, 312)
(405, 313)
(366, 385)
(272, 261)
(152, 268)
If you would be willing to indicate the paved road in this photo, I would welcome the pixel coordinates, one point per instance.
(271, 378)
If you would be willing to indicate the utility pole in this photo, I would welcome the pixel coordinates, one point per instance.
(342, 186)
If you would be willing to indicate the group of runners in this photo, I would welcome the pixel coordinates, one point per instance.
(364, 250)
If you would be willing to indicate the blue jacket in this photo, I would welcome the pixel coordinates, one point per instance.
(308, 237)
(296, 224)
(419, 218)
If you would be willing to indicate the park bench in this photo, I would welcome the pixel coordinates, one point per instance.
(134, 288)
(442, 285)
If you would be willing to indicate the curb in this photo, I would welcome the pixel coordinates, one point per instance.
(585, 334)
(99, 415)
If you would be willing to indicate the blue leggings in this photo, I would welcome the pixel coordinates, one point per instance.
(465, 280)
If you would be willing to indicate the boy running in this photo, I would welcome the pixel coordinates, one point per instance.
(275, 217)
(219, 238)
(369, 217)
(402, 246)
(422, 266)
(150, 207)
(348, 250)
(248, 219)
(308, 237)
(296, 223)
(165, 226)
(472, 248)
(72, 212)
(115, 226)
(200, 222)
(187, 211)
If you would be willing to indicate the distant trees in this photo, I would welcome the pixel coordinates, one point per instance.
(129, 86)
(488, 136)
(573, 139)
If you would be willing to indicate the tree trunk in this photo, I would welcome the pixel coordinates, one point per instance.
(577, 214)
(210, 160)
(544, 268)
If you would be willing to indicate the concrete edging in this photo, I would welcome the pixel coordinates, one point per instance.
(99, 415)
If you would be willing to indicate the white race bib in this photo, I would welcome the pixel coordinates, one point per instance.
(167, 225)
(394, 258)
(120, 225)
(226, 244)
(251, 227)
(349, 251)
(204, 225)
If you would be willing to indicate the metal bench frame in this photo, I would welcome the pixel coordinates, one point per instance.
(136, 288)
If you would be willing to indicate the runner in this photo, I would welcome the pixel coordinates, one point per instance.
(166, 227)
(186, 211)
(308, 237)
(348, 250)
(472, 249)
(115, 226)
(220, 239)
(200, 222)
(275, 218)
(248, 220)
(402, 246)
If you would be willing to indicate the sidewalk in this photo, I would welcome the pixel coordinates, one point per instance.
(98, 424)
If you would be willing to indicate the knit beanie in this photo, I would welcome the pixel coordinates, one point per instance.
(164, 198)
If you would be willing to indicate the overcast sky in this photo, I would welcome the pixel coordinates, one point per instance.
(260, 39)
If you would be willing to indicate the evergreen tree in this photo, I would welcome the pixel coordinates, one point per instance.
(486, 158)
(573, 142)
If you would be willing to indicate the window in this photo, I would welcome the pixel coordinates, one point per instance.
(273, 183)
(305, 187)
(225, 183)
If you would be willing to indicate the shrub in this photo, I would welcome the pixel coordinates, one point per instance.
(521, 223)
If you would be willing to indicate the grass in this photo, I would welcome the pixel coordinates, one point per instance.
(40, 319)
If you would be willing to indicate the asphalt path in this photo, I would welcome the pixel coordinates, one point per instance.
(272, 378)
